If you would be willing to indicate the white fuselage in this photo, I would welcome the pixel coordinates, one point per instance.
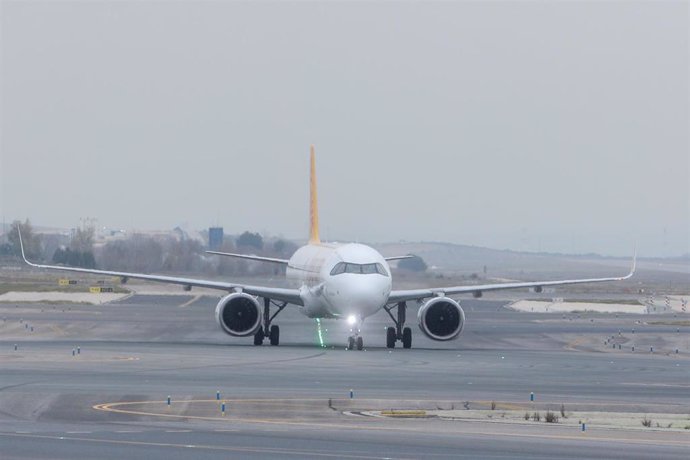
(340, 281)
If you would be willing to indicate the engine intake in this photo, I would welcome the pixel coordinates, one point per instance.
(441, 319)
(239, 314)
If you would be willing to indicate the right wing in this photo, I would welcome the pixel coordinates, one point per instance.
(286, 295)
(409, 256)
(477, 290)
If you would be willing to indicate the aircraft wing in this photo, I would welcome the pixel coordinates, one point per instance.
(409, 256)
(477, 290)
(282, 294)
(250, 257)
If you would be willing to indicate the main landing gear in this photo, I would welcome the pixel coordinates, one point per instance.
(399, 332)
(266, 329)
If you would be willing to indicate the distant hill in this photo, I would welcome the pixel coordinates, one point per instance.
(464, 260)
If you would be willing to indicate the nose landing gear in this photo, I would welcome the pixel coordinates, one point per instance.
(399, 332)
(355, 340)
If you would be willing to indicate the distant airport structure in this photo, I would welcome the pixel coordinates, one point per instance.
(215, 238)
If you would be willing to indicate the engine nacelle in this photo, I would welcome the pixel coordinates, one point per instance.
(441, 318)
(239, 314)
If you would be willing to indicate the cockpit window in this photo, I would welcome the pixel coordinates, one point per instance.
(359, 269)
(353, 268)
(368, 269)
(338, 269)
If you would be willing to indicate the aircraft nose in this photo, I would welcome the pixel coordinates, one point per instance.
(370, 292)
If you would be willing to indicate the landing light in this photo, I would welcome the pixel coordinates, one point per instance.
(351, 320)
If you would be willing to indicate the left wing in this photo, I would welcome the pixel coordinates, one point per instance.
(250, 257)
(286, 295)
(418, 294)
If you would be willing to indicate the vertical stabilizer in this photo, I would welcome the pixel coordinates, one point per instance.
(313, 203)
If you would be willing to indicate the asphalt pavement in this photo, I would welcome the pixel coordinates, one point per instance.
(58, 389)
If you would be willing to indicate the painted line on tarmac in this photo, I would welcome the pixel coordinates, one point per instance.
(255, 450)
(58, 330)
(573, 343)
(109, 407)
(188, 303)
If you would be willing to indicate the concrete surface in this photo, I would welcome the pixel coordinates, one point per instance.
(292, 401)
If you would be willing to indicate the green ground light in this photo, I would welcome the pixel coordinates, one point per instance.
(320, 333)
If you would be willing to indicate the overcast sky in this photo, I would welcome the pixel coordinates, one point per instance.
(560, 126)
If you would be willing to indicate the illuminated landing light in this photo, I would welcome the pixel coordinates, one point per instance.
(351, 320)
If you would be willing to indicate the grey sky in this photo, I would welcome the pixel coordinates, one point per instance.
(560, 126)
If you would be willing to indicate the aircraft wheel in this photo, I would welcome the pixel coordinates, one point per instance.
(274, 335)
(350, 343)
(259, 337)
(360, 343)
(407, 338)
(390, 337)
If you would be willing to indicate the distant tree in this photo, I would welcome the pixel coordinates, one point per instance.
(50, 243)
(250, 240)
(279, 245)
(284, 248)
(89, 261)
(80, 250)
(226, 265)
(82, 240)
(413, 264)
(74, 258)
(137, 253)
(182, 255)
(31, 241)
(60, 256)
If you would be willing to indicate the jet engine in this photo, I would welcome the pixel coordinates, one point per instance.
(239, 314)
(441, 318)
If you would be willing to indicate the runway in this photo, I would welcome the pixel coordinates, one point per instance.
(294, 400)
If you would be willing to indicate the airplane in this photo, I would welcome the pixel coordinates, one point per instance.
(343, 281)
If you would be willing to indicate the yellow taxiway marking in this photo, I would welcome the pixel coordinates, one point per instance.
(503, 405)
(188, 303)
(573, 343)
(261, 450)
(109, 407)
(58, 330)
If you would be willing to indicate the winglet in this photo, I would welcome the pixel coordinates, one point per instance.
(21, 246)
(313, 203)
(634, 263)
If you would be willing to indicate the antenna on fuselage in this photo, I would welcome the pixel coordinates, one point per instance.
(313, 202)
